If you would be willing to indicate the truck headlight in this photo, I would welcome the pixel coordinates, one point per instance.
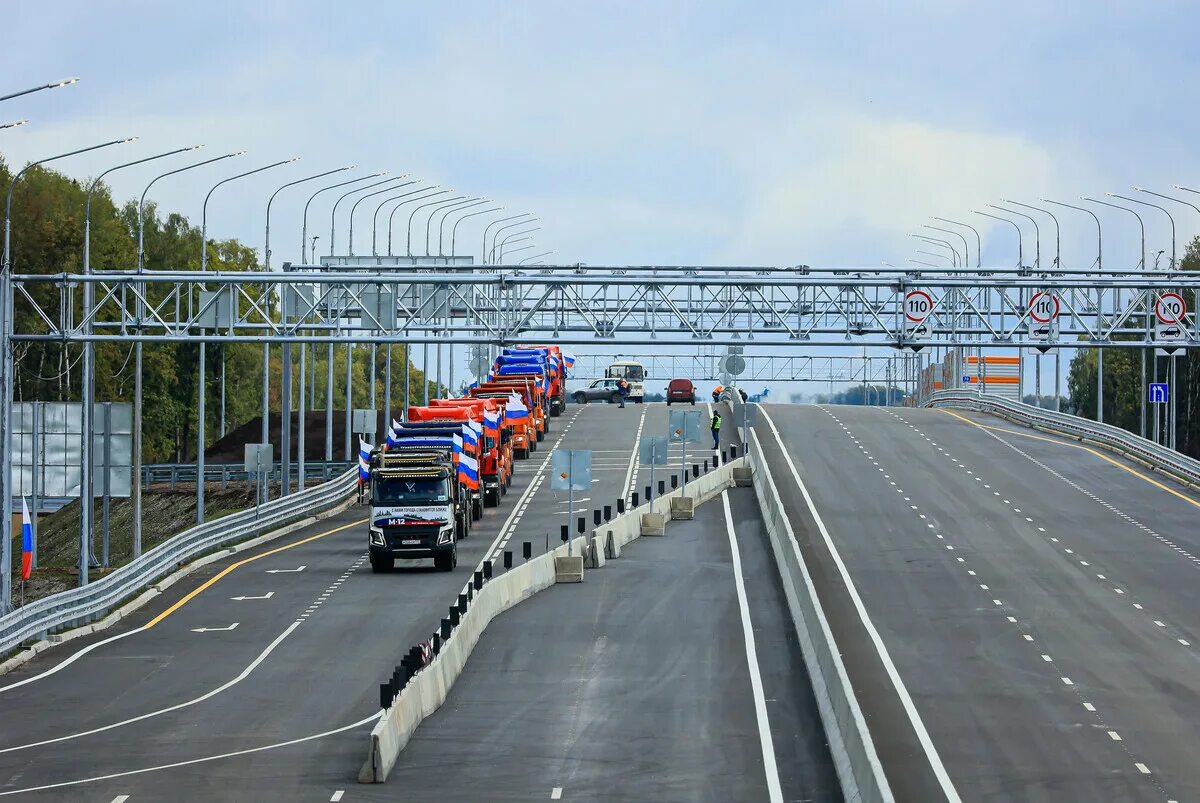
(446, 535)
(377, 537)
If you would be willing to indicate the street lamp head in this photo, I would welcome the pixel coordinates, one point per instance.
(64, 82)
(293, 159)
(1110, 195)
(195, 147)
(129, 139)
(1140, 189)
(17, 124)
(350, 167)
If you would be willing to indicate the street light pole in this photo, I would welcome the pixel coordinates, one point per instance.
(54, 85)
(375, 218)
(1020, 236)
(304, 242)
(354, 208)
(1037, 234)
(956, 261)
(978, 239)
(14, 124)
(445, 217)
(6, 384)
(271, 200)
(201, 379)
(496, 234)
(535, 256)
(483, 255)
(1162, 209)
(966, 251)
(136, 489)
(87, 385)
(435, 204)
(446, 209)
(1057, 229)
(454, 228)
(342, 197)
(396, 208)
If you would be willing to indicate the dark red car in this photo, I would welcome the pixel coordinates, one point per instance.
(681, 390)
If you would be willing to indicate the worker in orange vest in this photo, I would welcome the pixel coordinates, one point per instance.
(717, 393)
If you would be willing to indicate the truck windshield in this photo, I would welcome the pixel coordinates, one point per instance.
(394, 490)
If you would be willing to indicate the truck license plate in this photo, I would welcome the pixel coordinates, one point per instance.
(411, 542)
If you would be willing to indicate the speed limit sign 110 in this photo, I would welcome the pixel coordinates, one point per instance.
(1169, 312)
(918, 305)
(1044, 309)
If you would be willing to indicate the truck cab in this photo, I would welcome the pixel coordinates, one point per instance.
(414, 513)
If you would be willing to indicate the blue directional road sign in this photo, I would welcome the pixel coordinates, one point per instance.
(1158, 393)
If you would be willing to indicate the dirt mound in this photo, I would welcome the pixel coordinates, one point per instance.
(232, 448)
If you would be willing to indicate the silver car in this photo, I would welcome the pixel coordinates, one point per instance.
(599, 390)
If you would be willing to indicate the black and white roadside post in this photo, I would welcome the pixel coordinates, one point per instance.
(571, 471)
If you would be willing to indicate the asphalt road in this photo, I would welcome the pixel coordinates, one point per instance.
(635, 685)
(291, 690)
(1037, 600)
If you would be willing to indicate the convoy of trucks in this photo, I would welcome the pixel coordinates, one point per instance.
(447, 461)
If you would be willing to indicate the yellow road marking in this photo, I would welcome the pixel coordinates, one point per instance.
(1103, 457)
(212, 580)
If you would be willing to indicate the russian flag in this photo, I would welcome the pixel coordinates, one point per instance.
(469, 437)
(516, 408)
(364, 461)
(392, 436)
(458, 444)
(569, 359)
(491, 423)
(26, 542)
(468, 471)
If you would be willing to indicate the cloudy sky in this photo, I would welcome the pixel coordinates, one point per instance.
(641, 132)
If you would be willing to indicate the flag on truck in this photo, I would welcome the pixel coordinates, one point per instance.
(516, 408)
(569, 360)
(364, 461)
(491, 424)
(393, 435)
(468, 471)
(26, 542)
(469, 437)
(458, 444)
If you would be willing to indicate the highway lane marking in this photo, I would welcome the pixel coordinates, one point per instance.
(267, 595)
(914, 717)
(224, 572)
(774, 788)
(215, 629)
(192, 761)
(556, 793)
(289, 571)
(120, 799)
(178, 706)
(337, 796)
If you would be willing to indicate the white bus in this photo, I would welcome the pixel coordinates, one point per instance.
(632, 372)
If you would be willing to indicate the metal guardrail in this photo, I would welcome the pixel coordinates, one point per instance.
(79, 606)
(234, 472)
(1168, 461)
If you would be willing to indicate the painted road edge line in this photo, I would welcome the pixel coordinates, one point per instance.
(931, 753)
(774, 788)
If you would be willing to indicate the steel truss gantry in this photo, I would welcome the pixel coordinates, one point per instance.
(877, 368)
(575, 306)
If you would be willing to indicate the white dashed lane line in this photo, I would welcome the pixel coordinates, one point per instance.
(1026, 636)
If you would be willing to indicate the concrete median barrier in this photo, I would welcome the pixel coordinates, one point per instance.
(854, 757)
(427, 689)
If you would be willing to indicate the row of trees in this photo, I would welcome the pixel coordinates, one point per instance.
(1123, 381)
(47, 226)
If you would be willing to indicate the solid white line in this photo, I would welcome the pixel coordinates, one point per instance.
(774, 789)
(627, 488)
(931, 753)
(207, 695)
(189, 762)
(69, 661)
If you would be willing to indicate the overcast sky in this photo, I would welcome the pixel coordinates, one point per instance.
(639, 132)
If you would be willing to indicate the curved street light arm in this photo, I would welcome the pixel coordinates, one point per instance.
(1099, 263)
(445, 210)
(1013, 223)
(304, 220)
(454, 228)
(1057, 229)
(978, 239)
(267, 243)
(1037, 233)
(141, 255)
(396, 208)
(535, 256)
(945, 243)
(385, 202)
(354, 208)
(1162, 209)
(204, 208)
(483, 255)
(344, 196)
(1141, 223)
(496, 233)
(54, 85)
(446, 216)
(966, 251)
(413, 214)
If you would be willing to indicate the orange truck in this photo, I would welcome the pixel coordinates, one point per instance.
(496, 462)
(529, 388)
(525, 431)
(451, 420)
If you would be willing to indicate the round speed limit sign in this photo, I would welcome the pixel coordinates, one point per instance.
(1170, 308)
(917, 305)
(1043, 307)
